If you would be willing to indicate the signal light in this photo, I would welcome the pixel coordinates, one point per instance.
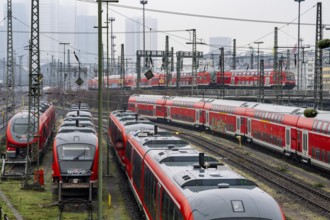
(310, 113)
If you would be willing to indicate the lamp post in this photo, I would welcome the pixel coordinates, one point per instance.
(144, 2)
(100, 170)
(112, 19)
(298, 72)
(193, 66)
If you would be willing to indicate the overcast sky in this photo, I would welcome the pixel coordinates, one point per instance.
(223, 24)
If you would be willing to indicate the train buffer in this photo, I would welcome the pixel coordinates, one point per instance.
(12, 169)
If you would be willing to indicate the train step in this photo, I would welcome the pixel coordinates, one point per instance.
(12, 169)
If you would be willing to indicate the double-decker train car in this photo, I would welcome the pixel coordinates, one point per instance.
(283, 129)
(75, 158)
(231, 79)
(171, 180)
(250, 78)
(18, 128)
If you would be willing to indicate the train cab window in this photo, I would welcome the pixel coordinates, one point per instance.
(76, 152)
(259, 114)
(318, 127)
(273, 117)
(266, 115)
(314, 125)
(324, 127)
(329, 129)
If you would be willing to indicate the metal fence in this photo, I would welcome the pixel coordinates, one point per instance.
(3, 215)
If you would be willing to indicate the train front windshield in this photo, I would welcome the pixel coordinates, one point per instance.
(290, 76)
(76, 159)
(76, 152)
(21, 126)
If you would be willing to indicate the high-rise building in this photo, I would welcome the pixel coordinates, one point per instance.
(48, 28)
(134, 35)
(87, 49)
(21, 30)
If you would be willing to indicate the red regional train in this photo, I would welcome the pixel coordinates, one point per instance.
(17, 131)
(284, 129)
(232, 79)
(75, 158)
(171, 180)
(120, 123)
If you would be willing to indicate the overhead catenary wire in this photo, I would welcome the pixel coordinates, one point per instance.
(215, 17)
(173, 36)
(199, 15)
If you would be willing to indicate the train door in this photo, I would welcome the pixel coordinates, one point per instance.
(288, 139)
(232, 80)
(154, 111)
(267, 81)
(299, 141)
(243, 126)
(168, 116)
(202, 117)
(197, 117)
(238, 125)
(305, 144)
(207, 119)
(249, 127)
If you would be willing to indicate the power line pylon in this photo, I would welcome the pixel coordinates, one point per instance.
(10, 100)
(34, 97)
(318, 75)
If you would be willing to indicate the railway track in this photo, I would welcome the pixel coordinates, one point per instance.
(78, 206)
(260, 169)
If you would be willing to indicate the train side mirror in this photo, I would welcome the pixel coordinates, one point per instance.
(310, 113)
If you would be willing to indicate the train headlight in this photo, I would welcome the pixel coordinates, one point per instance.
(237, 206)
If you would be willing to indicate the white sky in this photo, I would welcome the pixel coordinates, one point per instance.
(244, 32)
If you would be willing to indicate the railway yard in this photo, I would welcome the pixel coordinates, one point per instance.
(302, 192)
(230, 121)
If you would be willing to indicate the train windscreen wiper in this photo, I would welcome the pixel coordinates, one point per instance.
(79, 155)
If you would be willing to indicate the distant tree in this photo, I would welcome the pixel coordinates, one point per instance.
(325, 43)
